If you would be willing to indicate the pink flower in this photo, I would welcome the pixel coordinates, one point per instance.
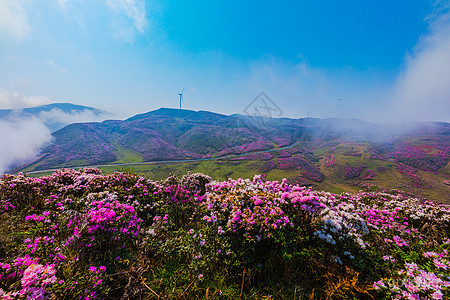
(438, 263)
(379, 284)
(437, 295)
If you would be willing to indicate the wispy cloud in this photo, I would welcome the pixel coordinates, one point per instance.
(56, 67)
(130, 18)
(58, 116)
(12, 99)
(422, 92)
(63, 3)
(13, 19)
(298, 88)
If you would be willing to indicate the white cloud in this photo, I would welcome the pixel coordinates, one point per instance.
(21, 140)
(59, 116)
(297, 89)
(56, 67)
(63, 3)
(422, 92)
(126, 11)
(13, 19)
(10, 99)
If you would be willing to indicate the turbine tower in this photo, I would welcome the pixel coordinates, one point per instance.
(339, 107)
(181, 97)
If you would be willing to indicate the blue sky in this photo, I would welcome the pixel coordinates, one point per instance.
(131, 56)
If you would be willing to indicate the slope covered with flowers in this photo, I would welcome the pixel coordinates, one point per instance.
(85, 235)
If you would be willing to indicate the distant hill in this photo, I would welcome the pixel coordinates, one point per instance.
(53, 115)
(331, 153)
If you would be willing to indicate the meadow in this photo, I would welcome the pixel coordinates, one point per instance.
(82, 234)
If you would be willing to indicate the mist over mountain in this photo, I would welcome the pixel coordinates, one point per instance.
(56, 115)
(24, 131)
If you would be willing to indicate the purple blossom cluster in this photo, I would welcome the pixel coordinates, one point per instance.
(283, 153)
(265, 210)
(5, 206)
(313, 175)
(352, 172)
(289, 163)
(368, 175)
(414, 177)
(416, 283)
(252, 145)
(298, 180)
(418, 158)
(309, 171)
(329, 161)
(356, 154)
(281, 141)
(268, 165)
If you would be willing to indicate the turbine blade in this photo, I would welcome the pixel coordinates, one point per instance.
(340, 99)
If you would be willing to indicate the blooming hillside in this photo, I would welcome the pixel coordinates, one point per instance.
(85, 235)
(174, 134)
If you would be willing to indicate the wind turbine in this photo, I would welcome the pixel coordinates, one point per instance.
(339, 108)
(181, 97)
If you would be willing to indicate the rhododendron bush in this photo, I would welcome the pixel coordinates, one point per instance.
(86, 235)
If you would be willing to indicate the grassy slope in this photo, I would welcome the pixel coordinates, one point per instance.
(335, 182)
(127, 155)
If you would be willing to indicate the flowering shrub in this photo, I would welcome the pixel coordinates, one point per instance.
(35, 280)
(309, 171)
(340, 225)
(281, 141)
(329, 161)
(268, 165)
(412, 173)
(257, 213)
(85, 235)
(313, 175)
(352, 172)
(416, 283)
(283, 153)
(107, 228)
(416, 157)
(298, 180)
(357, 154)
(289, 162)
(5, 206)
(368, 175)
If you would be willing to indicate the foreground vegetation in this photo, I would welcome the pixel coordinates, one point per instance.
(85, 235)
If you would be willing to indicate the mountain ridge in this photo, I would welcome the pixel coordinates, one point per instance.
(361, 150)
